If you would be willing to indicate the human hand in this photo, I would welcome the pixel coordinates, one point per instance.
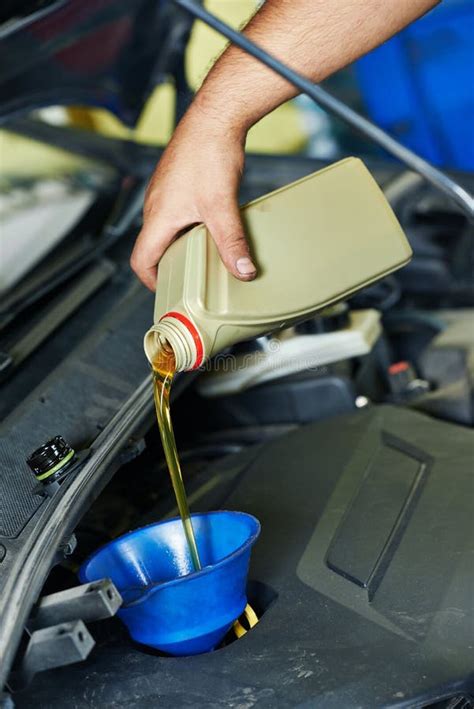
(196, 181)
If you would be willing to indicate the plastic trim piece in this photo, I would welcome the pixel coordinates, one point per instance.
(37, 557)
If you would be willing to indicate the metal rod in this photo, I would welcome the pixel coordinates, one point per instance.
(431, 174)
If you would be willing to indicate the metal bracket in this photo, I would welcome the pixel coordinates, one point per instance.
(52, 647)
(88, 602)
(57, 633)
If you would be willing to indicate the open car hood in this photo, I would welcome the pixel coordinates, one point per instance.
(107, 53)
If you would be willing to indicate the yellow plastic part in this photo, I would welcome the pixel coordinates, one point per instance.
(252, 621)
(23, 157)
(281, 131)
(154, 126)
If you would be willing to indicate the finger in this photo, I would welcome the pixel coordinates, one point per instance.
(151, 244)
(226, 228)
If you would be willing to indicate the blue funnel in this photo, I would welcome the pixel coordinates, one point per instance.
(167, 604)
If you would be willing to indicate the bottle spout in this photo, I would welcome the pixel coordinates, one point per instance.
(178, 332)
(152, 344)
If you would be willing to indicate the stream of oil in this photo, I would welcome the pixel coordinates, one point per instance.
(164, 369)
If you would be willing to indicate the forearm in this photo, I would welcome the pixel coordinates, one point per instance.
(314, 37)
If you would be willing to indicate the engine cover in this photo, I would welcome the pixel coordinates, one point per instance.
(363, 568)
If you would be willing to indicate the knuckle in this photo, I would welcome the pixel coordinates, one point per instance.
(150, 207)
(134, 264)
(233, 240)
(213, 201)
(153, 202)
(136, 260)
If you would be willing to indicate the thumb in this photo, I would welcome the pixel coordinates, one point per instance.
(227, 230)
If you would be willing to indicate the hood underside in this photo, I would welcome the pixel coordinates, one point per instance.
(107, 53)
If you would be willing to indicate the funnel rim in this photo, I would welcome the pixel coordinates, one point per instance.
(149, 588)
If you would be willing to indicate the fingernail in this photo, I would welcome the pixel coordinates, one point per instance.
(245, 266)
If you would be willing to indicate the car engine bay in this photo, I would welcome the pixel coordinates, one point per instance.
(359, 469)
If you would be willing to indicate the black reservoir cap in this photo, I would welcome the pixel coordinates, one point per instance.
(49, 460)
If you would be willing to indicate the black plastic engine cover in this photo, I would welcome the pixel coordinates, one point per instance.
(366, 549)
(448, 362)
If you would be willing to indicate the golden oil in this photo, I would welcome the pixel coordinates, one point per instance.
(164, 369)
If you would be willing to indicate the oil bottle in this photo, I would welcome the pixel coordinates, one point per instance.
(314, 242)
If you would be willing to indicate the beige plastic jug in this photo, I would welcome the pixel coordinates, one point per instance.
(315, 241)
